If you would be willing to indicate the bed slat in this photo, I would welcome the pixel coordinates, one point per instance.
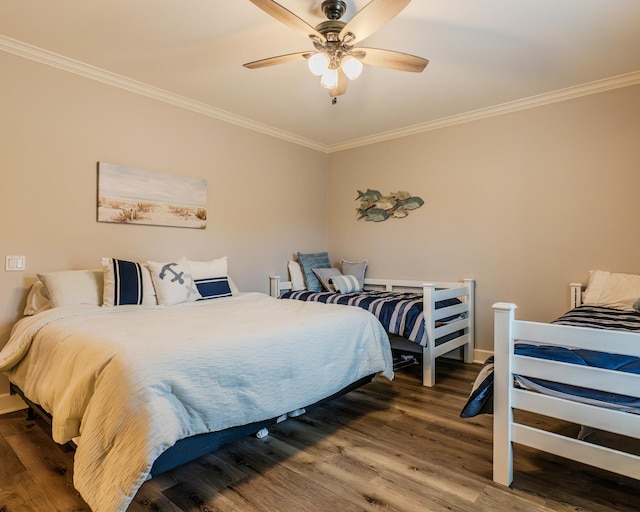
(599, 456)
(618, 422)
(584, 376)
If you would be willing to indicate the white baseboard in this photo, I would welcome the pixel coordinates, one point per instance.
(480, 356)
(11, 403)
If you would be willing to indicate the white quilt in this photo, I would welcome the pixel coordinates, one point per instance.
(132, 380)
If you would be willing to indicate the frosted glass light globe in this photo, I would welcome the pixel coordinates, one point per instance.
(329, 78)
(352, 67)
(318, 63)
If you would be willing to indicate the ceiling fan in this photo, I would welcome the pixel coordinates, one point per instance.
(336, 58)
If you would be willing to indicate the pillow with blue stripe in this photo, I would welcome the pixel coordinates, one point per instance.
(127, 283)
(211, 278)
(346, 284)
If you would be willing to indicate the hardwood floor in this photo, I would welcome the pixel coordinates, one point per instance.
(388, 446)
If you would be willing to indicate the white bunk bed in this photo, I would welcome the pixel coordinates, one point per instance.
(459, 333)
(507, 397)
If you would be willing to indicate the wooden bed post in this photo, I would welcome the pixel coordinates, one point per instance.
(502, 386)
(576, 295)
(469, 348)
(274, 286)
(428, 351)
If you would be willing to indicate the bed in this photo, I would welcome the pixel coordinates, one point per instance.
(559, 370)
(142, 388)
(427, 318)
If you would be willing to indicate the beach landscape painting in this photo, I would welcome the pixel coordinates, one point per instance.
(135, 196)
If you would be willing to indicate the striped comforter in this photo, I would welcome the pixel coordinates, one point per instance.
(481, 398)
(399, 313)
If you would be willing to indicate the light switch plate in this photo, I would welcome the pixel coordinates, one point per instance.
(15, 263)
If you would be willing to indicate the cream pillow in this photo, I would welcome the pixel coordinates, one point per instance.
(612, 290)
(37, 299)
(296, 277)
(173, 282)
(69, 287)
(211, 278)
(127, 282)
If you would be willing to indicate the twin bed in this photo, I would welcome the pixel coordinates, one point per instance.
(583, 368)
(428, 318)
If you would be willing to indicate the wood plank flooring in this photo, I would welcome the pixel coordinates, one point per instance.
(394, 447)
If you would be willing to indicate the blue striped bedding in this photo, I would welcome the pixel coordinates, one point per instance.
(399, 313)
(481, 398)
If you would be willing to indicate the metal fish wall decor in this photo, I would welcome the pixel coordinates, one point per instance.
(376, 207)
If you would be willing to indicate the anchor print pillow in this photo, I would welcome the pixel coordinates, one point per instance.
(173, 282)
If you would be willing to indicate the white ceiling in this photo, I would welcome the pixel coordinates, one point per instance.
(483, 55)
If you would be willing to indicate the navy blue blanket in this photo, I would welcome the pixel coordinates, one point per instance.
(399, 313)
(481, 398)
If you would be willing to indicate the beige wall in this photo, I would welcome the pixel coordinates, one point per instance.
(524, 203)
(266, 198)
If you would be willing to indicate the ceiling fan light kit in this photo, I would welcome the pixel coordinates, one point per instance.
(337, 59)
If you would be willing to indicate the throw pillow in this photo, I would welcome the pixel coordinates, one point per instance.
(210, 277)
(346, 284)
(310, 261)
(173, 282)
(324, 275)
(355, 268)
(127, 282)
(296, 277)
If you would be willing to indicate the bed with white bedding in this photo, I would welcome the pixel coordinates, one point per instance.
(583, 368)
(127, 383)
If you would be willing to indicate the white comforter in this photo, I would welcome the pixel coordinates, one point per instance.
(131, 381)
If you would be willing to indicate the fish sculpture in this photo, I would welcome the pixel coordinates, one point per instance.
(375, 207)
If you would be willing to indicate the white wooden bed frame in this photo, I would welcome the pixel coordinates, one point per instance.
(432, 292)
(506, 398)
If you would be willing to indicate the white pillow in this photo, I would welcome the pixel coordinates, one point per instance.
(37, 299)
(296, 277)
(173, 282)
(127, 282)
(205, 269)
(612, 290)
(211, 277)
(74, 287)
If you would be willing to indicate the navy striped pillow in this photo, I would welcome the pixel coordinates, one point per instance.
(128, 283)
(213, 287)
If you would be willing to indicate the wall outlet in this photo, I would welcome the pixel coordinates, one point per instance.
(15, 263)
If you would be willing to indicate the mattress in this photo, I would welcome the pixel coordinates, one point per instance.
(400, 313)
(481, 398)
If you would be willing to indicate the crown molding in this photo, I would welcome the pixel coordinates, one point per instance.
(497, 110)
(55, 60)
(42, 56)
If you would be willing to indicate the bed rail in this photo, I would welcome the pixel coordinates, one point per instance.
(506, 398)
(433, 292)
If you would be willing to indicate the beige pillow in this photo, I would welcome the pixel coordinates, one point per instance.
(69, 287)
(612, 290)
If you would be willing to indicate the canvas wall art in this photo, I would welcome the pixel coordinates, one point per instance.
(135, 196)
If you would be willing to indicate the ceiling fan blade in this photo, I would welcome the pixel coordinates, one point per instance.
(371, 17)
(393, 60)
(280, 59)
(341, 86)
(285, 16)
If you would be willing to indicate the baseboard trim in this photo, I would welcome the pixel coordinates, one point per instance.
(480, 356)
(11, 403)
